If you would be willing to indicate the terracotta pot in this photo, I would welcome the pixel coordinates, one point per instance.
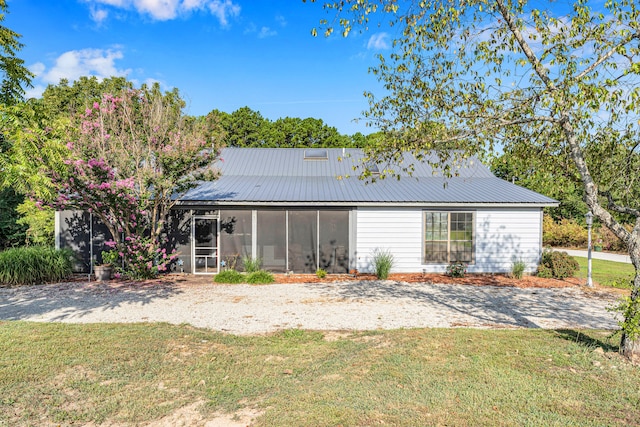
(103, 272)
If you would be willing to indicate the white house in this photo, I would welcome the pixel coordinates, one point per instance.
(303, 209)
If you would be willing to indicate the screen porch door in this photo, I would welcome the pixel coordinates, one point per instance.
(204, 235)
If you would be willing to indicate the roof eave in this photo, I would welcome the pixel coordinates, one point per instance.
(187, 203)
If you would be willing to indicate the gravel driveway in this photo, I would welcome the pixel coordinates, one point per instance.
(358, 305)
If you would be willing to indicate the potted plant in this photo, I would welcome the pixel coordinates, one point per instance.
(598, 246)
(104, 271)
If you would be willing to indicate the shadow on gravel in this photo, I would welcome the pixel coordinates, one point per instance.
(490, 306)
(77, 299)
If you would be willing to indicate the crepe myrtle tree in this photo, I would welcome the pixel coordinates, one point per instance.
(131, 157)
(554, 76)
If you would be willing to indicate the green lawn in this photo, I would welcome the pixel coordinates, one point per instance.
(607, 273)
(59, 374)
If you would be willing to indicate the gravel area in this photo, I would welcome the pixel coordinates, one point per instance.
(356, 305)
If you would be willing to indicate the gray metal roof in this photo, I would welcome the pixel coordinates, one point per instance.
(272, 176)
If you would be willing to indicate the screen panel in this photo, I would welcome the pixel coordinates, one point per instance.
(235, 237)
(272, 241)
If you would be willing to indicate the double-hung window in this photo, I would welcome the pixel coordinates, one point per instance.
(448, 237)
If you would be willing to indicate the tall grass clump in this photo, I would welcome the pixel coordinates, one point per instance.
(382, 263)
(229, 276)
(34, 265)
(517, 269)
(251, 265)
(260, 277)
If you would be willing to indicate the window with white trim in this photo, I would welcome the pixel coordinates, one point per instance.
(448, 237)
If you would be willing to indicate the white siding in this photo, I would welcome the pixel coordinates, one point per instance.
(507, 235)
(501, 237)
(397, 230)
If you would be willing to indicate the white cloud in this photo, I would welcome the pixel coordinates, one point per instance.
(163, 10)
(250, 28)
(378, 41)
(37, 68)
(98, 15)
(281, 20)
(85, 62)
(223, 9)
(151, 81)
(266, 32)
(34, 92)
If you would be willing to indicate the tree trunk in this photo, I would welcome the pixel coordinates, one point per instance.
(630, 346)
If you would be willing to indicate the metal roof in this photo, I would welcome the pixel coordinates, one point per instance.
(282, 176)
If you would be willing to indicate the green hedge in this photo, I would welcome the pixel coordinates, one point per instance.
(557, 265)
(254, 278)
(34, 265)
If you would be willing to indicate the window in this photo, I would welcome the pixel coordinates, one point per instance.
(448, 237)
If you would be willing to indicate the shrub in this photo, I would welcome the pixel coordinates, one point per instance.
(229, 276)
(251, 265)
(517, 269)
(260, 277)
(544, 272)
(457, 269)
(36, 264)
(321, 273)
(610, 241)
(558, 265)
(382, 263)
(566, 233)
(110, 257)
(141, 257)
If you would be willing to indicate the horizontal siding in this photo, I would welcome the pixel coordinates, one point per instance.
(502, 236)
(395, 230)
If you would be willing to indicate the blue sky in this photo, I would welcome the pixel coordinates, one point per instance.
(220, 54)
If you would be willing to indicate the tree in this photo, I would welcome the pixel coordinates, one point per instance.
(15, 74)
(301, 133)
(67, 100)
(554, 176)
(130, 159)
(244, 128)
(11, 233)
(500, 73)
(31, 146)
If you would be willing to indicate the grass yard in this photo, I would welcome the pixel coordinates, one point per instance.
(607, 273)
(65, 374)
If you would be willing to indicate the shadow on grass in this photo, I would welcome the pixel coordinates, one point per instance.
(588, 341)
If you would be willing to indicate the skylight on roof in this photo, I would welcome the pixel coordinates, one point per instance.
(372, 168)
(316, 154)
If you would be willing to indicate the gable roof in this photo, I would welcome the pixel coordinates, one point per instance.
(282, 176)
